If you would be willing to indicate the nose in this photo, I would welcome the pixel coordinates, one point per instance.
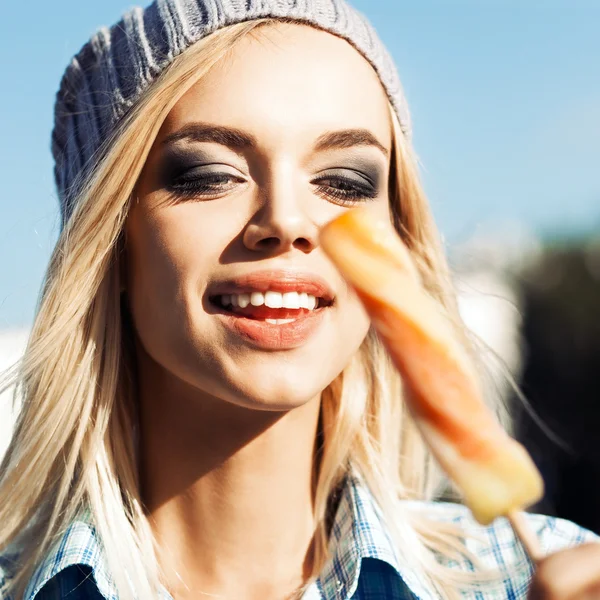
(281, 223)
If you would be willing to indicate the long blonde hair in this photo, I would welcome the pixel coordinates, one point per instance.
(72, 446)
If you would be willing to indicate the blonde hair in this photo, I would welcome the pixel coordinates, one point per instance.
(72, 446)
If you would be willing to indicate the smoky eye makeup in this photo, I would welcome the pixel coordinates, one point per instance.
(350, 176)
(203, 175)
(175, 162)
(374, 171)
(197, 173)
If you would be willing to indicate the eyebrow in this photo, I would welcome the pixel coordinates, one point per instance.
(347, 138)
(202, 132)
(240, 140)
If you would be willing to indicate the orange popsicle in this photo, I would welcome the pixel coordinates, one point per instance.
(494, 473)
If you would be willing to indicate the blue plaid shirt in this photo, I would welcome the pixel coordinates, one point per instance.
(364, 565)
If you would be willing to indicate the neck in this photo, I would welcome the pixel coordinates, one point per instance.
(229, 490)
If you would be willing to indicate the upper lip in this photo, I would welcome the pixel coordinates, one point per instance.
(275, 280)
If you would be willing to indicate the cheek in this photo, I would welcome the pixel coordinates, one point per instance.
(166, 266)
(354, 322)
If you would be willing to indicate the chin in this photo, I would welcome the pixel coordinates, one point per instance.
(275, 393)
(284, 382)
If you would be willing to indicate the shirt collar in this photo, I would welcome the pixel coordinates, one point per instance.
(358, 532)
(79, 545)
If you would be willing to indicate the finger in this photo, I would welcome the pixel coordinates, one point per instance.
(568, 575)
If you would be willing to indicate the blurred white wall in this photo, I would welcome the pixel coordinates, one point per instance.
(12, 344)
(486, 270)
(489, 305)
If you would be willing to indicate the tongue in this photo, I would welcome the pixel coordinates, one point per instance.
(264, 312)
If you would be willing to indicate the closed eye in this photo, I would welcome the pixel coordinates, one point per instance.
(345, 187)
(202, 181)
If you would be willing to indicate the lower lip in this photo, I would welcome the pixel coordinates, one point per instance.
(269, 336)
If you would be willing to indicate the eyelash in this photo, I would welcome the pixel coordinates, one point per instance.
(201, 185)
(354, 192)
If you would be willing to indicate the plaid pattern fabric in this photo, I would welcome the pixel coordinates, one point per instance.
(364, 566)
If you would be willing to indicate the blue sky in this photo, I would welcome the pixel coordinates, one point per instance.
(505, 98)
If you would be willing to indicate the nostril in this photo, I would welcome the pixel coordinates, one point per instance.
(269, 243)
(272, 243)
(303, 244)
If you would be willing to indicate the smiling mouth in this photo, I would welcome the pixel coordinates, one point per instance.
(275, 308)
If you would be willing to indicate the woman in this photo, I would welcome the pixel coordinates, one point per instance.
(206, 413)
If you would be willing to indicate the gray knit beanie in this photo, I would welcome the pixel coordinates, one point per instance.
(110, 73)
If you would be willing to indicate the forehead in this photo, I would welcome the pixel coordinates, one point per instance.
(288, 81)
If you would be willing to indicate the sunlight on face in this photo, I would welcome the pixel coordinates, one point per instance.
(227, 285)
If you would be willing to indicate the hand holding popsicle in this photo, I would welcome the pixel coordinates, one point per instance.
(494, 473)
(572, 574)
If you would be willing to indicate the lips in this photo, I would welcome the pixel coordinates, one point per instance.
(265, 326)
(276, 281)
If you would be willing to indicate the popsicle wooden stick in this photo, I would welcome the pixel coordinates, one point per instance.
(525, 534)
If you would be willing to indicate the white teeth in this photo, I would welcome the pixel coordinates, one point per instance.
(291, 300)
(308, 301)
(273, 299)
(303, 300)
(243, 300)
(257, 299)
